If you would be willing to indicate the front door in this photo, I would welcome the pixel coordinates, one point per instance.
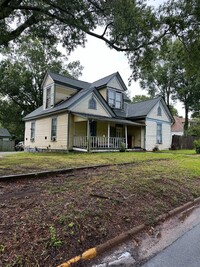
(93, 128)
(119, 131)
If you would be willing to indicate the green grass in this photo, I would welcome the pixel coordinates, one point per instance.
(66, 213)
(35, 162)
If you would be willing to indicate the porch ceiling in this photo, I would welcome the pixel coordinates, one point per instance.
(108, 119)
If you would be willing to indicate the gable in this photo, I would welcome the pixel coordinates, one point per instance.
(115, 83)
(47, 81)
(82, 106)
(159, 112)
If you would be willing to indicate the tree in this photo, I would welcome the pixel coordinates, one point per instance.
(139, 98)
(194, 129)
(124, 22)
(21, 76)
(158, 77)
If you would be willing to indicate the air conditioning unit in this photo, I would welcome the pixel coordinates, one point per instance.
(32, 139)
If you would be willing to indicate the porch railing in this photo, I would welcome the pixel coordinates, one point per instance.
(98, 142)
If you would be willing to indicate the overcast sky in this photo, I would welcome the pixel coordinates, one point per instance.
(99, 61)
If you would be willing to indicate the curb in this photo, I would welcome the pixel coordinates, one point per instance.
(99, 249)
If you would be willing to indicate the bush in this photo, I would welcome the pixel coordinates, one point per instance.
(122, 147)
(155, 149)
(197, 146)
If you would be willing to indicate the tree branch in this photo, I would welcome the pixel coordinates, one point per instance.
(5, 39)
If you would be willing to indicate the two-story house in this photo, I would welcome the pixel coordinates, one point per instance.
(83, 116)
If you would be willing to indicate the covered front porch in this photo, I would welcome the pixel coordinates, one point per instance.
(97, 133)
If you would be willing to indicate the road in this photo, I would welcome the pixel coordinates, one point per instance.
(175, 242)
(184, 252)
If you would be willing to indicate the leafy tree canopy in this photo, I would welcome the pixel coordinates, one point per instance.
(21, 73)
(123, 22)
(140, 98)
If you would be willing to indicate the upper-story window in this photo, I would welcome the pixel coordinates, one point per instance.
(92, 104)
(48, 97)
(159, 111)
(114, 99)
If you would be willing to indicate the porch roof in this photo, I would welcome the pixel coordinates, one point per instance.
(108, 119)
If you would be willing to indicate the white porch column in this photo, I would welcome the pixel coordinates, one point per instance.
(126, 136)
(108, 135)
(88, 135)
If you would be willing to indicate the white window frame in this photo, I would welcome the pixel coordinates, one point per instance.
(48, 97)
(159, 136)
(54, 129)
(113, 99)
(32, 137)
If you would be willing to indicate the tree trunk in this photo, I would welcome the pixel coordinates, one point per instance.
(186, 121)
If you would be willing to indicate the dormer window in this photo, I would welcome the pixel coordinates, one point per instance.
(115, 99)
(48, 97)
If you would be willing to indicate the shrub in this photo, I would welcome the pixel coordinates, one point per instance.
(155, 149)
(122, 147)
(197, 146)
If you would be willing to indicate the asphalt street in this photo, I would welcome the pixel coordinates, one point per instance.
(184, 252)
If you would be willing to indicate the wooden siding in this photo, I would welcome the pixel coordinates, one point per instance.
(102, 128)
(43, 133)
(153, 113)
(80, 128)
(48, 81)
(62, 93)
(82, 106)
(103, 92)
(114, 83)
(151, 128)
(151, 134)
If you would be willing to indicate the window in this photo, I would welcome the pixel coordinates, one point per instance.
(159, 133)
(159, 111)
(92, 104)
(53, 129)
(115, 99)
(48, 97)
(32, 131)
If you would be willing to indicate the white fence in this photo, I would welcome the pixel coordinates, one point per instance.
(98, 142)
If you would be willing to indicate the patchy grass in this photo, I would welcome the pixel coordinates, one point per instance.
(47, 221)
(34, 162)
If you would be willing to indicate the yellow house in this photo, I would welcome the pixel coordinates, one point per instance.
(83, 116)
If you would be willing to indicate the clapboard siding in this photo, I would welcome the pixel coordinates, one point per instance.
(83, 107)
(43, 133)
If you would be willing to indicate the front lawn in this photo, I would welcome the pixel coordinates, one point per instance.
(46, 221)
(35, 162)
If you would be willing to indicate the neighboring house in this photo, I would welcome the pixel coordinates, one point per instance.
(178, 126)
(5, 143)
(83, 116)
